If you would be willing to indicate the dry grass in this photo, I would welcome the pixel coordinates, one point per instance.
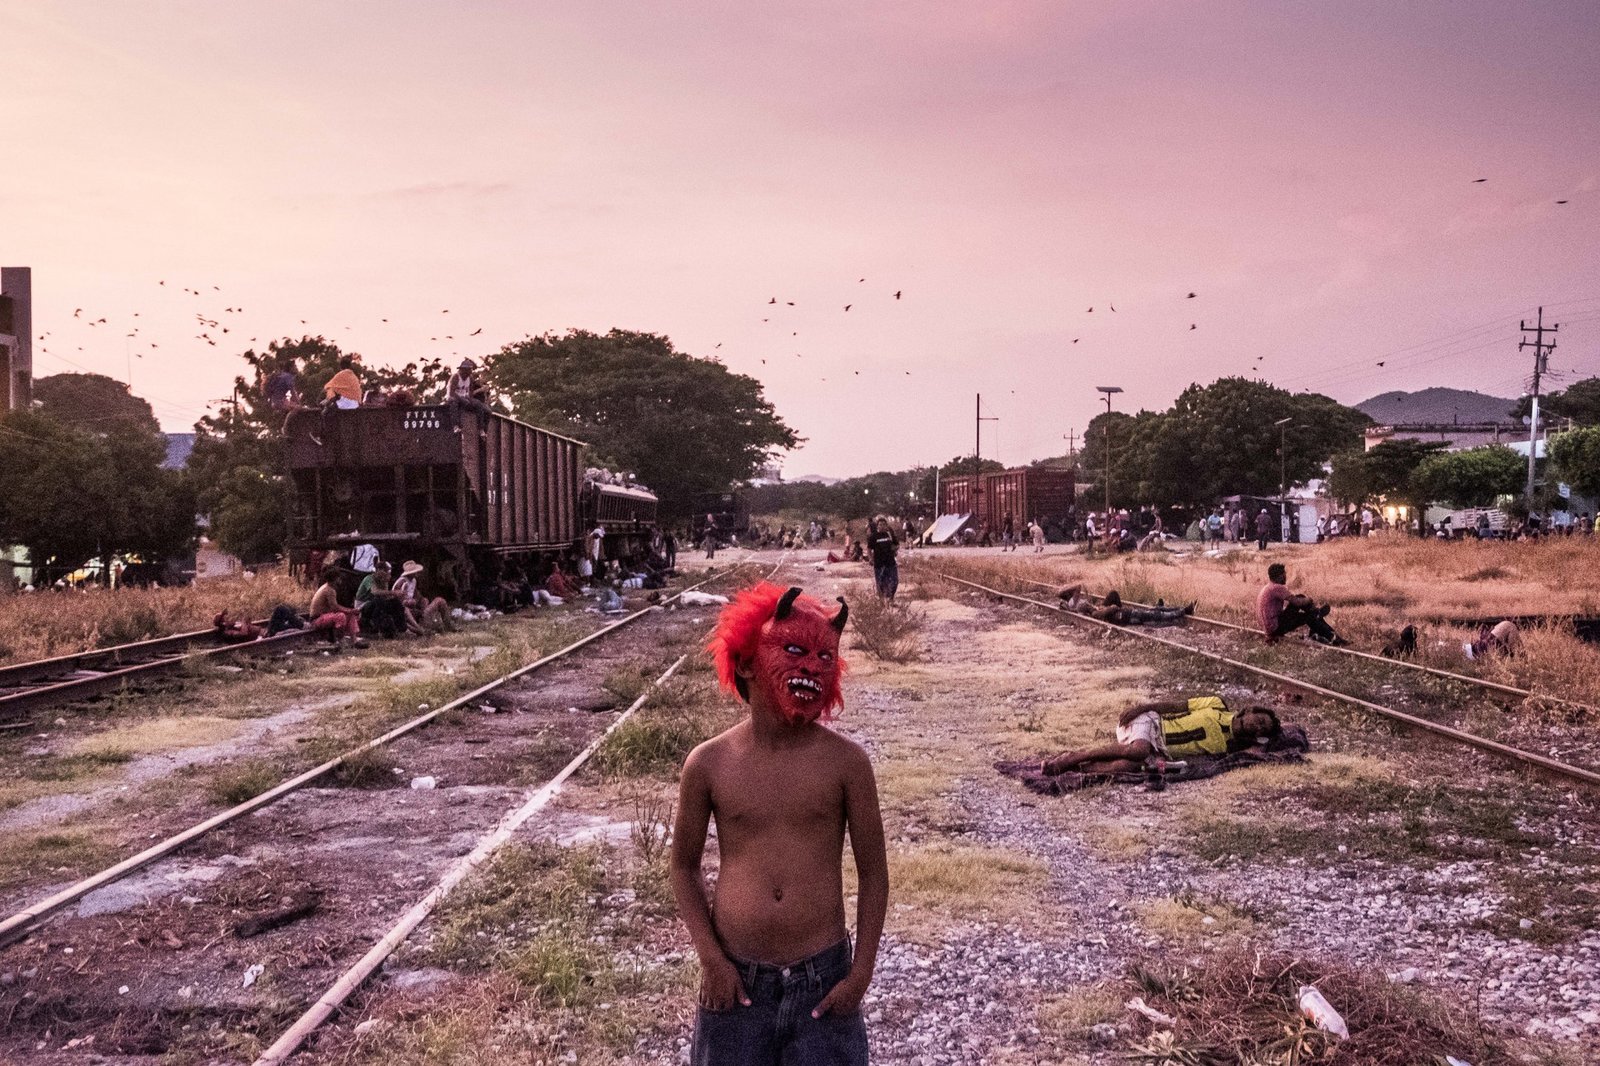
(45, 624)
(965, 881)
(1072, 1014)
(1239, 1006)
(1188, 917)
(1376, 587)
(886, 631)
(157, 734)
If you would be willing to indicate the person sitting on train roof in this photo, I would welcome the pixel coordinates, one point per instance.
(1281, 612)
(464, 392)
(341, 393)
(328, 614)
(1174, 729)
(281, 393)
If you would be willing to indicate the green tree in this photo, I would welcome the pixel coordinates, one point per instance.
(82, 478)
(238, 466)
(1579, 401)
(1469, 478)
(1383, 473)
(684, 425)
(1575, 457)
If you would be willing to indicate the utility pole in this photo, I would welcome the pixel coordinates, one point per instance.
(1283, 478)
(1071, 437)
(978, 420)
(1541, 363)
(1108, 390)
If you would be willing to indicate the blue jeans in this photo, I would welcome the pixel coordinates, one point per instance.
(888, 579)
(777, 1029)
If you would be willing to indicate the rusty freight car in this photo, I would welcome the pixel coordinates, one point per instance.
(452, 488)
(1025, 493)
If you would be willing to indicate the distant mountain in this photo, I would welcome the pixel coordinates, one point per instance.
(817, 479)
(1437, 406)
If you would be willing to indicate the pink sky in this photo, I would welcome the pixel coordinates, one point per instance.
(1306, 169)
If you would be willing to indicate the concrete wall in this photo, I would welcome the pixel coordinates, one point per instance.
(16, 338)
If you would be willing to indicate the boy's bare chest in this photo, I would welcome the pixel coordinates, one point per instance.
(759, 798)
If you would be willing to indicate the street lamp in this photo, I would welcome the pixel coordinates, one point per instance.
(1108, 390)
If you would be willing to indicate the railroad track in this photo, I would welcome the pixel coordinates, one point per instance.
(26, 687)
(1461, 736)
(1399, 664)
(21, 925)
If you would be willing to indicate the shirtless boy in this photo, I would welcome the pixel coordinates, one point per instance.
(779, 984)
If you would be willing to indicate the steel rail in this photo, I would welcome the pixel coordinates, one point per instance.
(1577, 773)
(15, 703)
(25, 921)
(353, 978)
(1496, 686)
(18, 674)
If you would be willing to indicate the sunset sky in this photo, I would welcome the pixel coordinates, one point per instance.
(1307, 169)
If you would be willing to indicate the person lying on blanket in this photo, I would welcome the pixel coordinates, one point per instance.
(1199, 726)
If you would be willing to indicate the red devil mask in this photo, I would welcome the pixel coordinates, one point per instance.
(787, 645)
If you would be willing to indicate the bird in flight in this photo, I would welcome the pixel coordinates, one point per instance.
(1113, 307)
(1380, 364)
(475, 332)
(77, 312)
(1090, 311)
(1192, 326)
(763, 362)
(848, 306)
(1479, 181)
(897, 296)
(1075, 340)
(861, 279)
(789, 302)
(1189, 297)
(1560, 201)
(773, 300)
(717, 345)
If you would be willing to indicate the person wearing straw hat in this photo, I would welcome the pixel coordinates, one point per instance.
(422, 614)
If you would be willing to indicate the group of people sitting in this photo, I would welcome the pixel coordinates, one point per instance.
(382, 604)
(464, 391)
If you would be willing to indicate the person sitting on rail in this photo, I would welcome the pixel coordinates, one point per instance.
(1202, 725)
(779, 981)
(1112, 609)
(327, 613)
(236, 631)
(341, 393)
(1281, 612)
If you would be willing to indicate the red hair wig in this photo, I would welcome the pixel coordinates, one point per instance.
(737, 637)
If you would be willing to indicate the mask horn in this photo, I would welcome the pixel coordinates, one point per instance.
(786, 604)
(844, 612)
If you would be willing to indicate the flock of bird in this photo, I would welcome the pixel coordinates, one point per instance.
(211, 328)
